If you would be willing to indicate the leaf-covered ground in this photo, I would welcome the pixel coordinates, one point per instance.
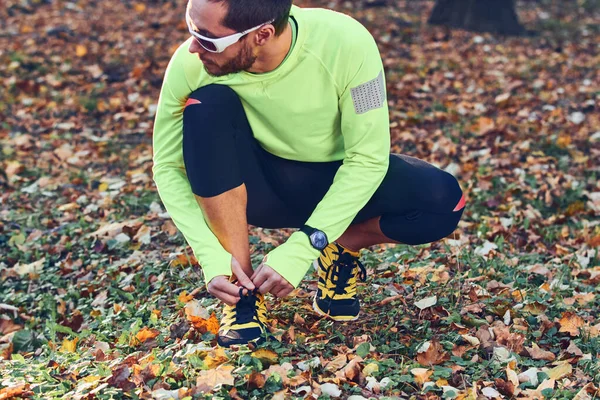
(101, 298)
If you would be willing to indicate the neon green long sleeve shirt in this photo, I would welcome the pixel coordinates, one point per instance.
(325, 102)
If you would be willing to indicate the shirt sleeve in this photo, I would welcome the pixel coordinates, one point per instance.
(170, 176)
(365, 129)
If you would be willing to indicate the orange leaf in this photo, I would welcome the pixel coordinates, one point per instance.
(485, 125)
(205, 325)
(571, 322)
(146, 334)
(184, 297)
(139, 7)
(80, 50)
(14, 391)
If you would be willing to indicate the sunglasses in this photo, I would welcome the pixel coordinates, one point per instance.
(218, 45)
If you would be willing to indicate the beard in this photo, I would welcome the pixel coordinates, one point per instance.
(242, 61)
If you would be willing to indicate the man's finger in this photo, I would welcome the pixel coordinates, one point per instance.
(227, 299)
(256, 272)
(222, 285)
(283, 291)
(267, 286)
(241, 276)
(261, 277)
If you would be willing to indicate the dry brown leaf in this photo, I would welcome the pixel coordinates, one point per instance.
(570, 323)
(12, 392)
(485, 126)
(7, 326)
(256, 380)
(213, 377)
(538, 354)
(432, 354)
(337, 363)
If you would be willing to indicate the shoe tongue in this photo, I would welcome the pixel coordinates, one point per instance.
(245, 308)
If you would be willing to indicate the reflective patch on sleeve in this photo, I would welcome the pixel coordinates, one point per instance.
(368, 96)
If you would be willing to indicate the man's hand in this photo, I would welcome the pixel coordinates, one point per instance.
(222, 287)
(266, 279)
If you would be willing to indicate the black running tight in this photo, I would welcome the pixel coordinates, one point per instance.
(418, 203)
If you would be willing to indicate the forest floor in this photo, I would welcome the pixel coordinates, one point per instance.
(101, 298)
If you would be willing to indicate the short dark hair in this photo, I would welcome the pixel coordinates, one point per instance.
(246, 14)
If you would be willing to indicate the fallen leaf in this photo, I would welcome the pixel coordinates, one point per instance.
(431, 353)
(69, 346)
(331, 390)
(563, 370)
(570, 323)
(216, 377)
(146, 334)
(426, 302)
(215, 358)
(11, 392)
(421, 375)
(80, 50)
(539, 354)
(337, 363)
(267, 357)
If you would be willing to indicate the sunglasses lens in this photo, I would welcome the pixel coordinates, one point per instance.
(210, 46)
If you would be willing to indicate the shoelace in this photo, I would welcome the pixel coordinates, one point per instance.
(245, 309)
(342, 268)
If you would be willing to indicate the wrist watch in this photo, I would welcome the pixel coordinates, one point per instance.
(318, 239)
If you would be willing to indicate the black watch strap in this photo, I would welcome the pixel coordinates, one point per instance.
(308, 230)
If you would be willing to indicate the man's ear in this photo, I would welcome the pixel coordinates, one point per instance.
(264, 34)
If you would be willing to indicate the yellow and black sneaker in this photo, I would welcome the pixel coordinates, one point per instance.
(245, 321)
(338, 270)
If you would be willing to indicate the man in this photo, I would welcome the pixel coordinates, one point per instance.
(276, 116)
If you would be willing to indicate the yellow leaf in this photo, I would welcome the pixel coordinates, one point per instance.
(511, 376)
(215, 358)
(213, 377)
(92, 378)
(370, 369)
(69, 346)
(421, 375)
(266, 356)
(103, 187)
(80, 50)
(571, 322)
(561, 371)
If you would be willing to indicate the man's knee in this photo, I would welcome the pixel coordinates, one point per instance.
(447, 194)
(219, 95)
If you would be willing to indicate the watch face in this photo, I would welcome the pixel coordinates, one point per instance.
(319, 240)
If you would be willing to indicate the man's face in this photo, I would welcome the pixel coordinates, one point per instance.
(206, 17)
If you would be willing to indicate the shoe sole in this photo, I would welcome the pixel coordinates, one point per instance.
(324, 314)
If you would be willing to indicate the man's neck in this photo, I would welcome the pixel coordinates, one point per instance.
(272, 55)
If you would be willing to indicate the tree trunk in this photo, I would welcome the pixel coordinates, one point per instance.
(495, 16)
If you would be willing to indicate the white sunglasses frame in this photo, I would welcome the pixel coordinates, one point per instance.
(223, 42)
